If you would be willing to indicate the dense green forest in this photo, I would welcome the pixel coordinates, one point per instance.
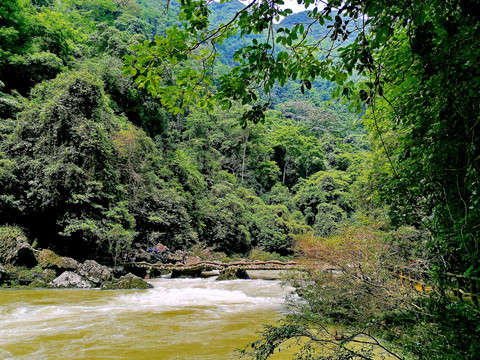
(92, 165)
(205, 124)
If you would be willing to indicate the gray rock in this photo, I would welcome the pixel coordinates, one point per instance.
(68, 263)
(94, 272)
(70, 280)
(128, 281)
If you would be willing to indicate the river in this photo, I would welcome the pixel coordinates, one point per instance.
(177, 319)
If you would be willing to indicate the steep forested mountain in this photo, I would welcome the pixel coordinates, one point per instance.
(92, 165)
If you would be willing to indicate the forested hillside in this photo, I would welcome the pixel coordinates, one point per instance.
(345, 136)
(93, 166)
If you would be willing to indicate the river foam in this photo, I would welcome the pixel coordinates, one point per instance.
(177, 319)
(183, 293)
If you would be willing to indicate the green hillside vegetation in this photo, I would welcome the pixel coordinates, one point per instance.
(92, 166)
(124, 124)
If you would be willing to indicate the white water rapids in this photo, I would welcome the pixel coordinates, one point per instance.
(177, 319)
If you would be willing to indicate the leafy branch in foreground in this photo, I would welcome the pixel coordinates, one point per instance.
(416, 59)
(279, 55)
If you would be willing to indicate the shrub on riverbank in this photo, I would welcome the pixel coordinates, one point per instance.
(350, 295)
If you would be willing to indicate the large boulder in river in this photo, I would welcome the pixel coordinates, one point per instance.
(128, 281)
(47, 259)
(71, 280)
(94, 272)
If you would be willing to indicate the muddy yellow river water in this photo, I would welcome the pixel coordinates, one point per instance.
(177, 319)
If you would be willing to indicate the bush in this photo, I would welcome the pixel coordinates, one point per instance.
(10, 236)
(262, 255)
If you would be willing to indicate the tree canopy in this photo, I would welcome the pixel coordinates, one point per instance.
(204, 124)
(411, 64)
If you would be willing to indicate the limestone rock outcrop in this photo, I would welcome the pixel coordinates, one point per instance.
(94, 272)
(15, 250)
(71, 280)
(47, 259)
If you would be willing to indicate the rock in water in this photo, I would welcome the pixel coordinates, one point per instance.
(232, 274)
(94, 272)
(128, 281)
(71, 280)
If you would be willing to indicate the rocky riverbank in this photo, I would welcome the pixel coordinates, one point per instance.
(23, 265)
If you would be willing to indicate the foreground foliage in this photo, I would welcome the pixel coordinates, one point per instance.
(353, 304)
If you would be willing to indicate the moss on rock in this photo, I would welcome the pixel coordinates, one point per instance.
(128, 281)
(232, 274)
(10, 236)
(50, 260)
(14, 247)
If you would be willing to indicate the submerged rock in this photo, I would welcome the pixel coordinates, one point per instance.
(128, 281)
(94, 272)
(71, 280)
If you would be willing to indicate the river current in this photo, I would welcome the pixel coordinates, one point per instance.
(177, 319)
